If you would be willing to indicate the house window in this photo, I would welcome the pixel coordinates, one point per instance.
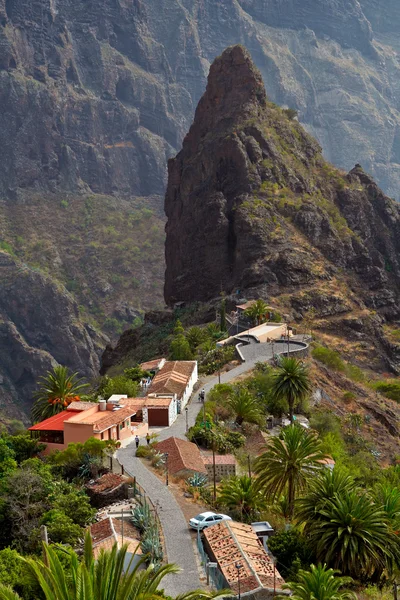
(102, 436)
(122, 426)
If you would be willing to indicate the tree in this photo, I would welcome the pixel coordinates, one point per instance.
(351, 533)
(323, 487)
(106, 578)
(257, 312)
(319, 583)
(223, 315)
(292, 552)
(179, 348)
(195, 336)
(58, 388)
(291, 383)
(242, 495)
(121, 384)
(288, 463)
(244, 406)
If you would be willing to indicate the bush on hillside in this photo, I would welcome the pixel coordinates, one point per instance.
(389, 388)
(330, 358)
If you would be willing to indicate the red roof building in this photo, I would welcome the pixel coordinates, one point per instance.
(104, 421)
(184, 457)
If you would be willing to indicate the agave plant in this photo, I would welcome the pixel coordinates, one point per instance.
(141, 517)
(197, 480)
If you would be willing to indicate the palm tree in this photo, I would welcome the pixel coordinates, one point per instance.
(291, 383)
(106, 578)
(388, 497)
(288, 463)
(58, 388)
(257, 311)
(327, 485)
(351, 533)
(241, 493)
(244, 406)
(319, 583)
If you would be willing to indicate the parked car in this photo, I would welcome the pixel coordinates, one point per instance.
(206, 519)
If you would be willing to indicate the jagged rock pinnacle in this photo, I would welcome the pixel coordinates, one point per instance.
(251, 202)
(235, 89)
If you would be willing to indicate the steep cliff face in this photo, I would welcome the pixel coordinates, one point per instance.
(251, 203)
(96, 96)
(39, 327)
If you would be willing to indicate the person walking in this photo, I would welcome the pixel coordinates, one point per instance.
(137, 440)
(148, 438)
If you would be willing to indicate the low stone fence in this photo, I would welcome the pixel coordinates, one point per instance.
(302, 351)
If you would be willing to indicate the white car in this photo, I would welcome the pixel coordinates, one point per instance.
(206, 519)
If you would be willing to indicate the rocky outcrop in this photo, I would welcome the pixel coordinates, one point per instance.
(251, 203)
(39, 327)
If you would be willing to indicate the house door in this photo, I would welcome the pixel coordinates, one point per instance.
(158, 417)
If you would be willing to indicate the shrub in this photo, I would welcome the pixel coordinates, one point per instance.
(330, 358)
(291, 551)
(390, 389)
(141, 517)
(144, 451)
(325, 422)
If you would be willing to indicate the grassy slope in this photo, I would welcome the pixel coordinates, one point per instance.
(103, 249)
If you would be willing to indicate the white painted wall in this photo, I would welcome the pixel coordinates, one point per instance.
(189, 388)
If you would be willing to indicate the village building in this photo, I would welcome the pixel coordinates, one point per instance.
(184, 458)
(225, 466)
(177, 378)
(160, 410)
(153, 365)
(243, 561)
(116, 420)
(110, 531)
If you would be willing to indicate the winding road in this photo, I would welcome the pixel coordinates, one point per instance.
(178, 541)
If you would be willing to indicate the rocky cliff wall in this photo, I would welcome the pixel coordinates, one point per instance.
(97, 95)
(251, 203)
(40, 326)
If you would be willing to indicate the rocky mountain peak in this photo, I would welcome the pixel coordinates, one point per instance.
(235, 90)
(253, 206)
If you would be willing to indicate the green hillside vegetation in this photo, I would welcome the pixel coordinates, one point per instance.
(103, 250)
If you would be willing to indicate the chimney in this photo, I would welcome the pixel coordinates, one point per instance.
(102, 405)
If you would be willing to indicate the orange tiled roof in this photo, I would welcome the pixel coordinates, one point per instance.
(109, 531)
(151, 365)
(220, 459)
(159, 402)
(230, 543)
(172, 378)
(108, 481)
(103, 420)
(182, 455)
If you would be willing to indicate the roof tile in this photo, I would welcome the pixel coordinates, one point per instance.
(173, 377)
(182, 455)
(233, 543)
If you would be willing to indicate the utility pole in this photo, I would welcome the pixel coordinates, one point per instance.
(288, 340)
(187, 422)
(249, 463)
(122, 526)
(166, 468)
(214, 478)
